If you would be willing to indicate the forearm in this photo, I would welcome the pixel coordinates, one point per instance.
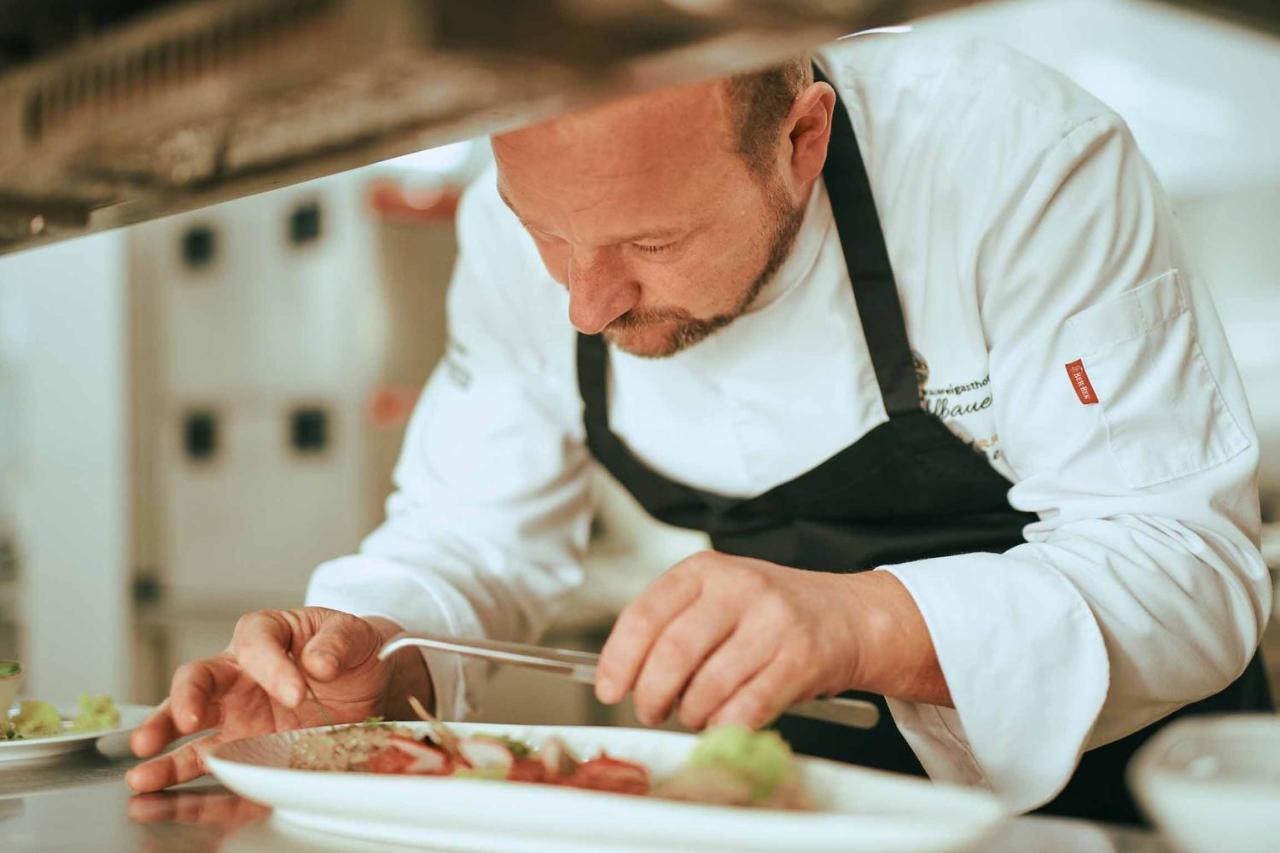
(894, 654)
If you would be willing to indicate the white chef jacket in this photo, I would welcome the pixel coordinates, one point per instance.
(1026, 232)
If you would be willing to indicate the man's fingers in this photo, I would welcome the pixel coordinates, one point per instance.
(197, 691)
(174, 768)
(341, 643)
(262, 645)
(677, 655)
(156, 732)
(763, 698)
(636, 629)
(747, 651)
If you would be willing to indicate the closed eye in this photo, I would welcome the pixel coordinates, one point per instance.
(654, 249)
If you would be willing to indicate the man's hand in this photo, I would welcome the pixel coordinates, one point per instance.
(736, 640)
(260, 685)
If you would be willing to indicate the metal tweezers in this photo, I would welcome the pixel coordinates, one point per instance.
(581, 667)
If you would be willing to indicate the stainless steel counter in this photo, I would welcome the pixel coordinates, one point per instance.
(82, 804)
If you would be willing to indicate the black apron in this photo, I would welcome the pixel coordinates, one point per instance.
(909, 489)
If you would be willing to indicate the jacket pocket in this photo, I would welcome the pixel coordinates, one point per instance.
(1164, 415)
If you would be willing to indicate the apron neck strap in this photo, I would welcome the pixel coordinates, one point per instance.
(867, 259)
(593, 385)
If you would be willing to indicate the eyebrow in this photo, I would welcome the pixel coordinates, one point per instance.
(653, 234)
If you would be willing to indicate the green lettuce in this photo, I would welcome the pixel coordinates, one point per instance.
(36, 719)
(762, 759)
(96, 713)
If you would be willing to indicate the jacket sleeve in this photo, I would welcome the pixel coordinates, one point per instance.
(490, 513)
(1140, 589)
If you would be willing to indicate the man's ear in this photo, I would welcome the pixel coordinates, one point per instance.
(808, 127)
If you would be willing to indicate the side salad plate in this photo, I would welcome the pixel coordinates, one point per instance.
(68, 738)
(575, 788)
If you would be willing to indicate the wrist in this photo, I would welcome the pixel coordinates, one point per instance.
(895, 653)
(865, 630)
(407, 675)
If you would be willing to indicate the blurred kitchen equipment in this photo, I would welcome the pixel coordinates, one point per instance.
(10, 684)
(117, 112)
(112, 113)
(581, 667)
(1213, 783)
(278, 345)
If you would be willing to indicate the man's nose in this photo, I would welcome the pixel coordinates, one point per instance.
(600, 291)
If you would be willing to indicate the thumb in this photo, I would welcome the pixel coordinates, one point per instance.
(340, 644)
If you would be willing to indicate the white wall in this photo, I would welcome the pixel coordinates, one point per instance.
(1234, 238)
(65, 423)
(1202, 96)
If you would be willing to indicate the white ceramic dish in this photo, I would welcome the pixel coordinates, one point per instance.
(861, 810)
(1212, 783)
(38, 748)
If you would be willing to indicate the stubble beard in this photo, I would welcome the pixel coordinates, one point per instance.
(786, 220)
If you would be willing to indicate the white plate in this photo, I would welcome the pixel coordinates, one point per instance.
(861, 809)
(1213, 782)
(30, 749)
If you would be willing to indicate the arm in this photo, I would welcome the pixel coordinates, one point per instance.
(1140, 589)
(490, 514)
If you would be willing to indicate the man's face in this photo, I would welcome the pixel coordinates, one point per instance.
(643, 210)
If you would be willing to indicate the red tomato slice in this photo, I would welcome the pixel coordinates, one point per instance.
(603, 773)
(527, 770)
(389, 760)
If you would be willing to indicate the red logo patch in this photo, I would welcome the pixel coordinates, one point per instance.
(1080, 382)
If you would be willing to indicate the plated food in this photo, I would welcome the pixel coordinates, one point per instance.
(727, 766)
(36, 730)
(854, 809)
(36, 718)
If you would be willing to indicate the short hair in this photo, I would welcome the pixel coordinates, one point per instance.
(760, 101)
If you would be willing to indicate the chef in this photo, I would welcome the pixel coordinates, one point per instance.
(910, 332)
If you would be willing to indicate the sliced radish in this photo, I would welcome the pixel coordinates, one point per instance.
(557, 759)
(486, 754)
(426, 759)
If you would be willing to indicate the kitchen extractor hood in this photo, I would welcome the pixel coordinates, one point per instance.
(117, 111)
(114, 111)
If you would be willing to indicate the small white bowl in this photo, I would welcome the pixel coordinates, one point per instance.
(1212, 783)
(9, 687)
